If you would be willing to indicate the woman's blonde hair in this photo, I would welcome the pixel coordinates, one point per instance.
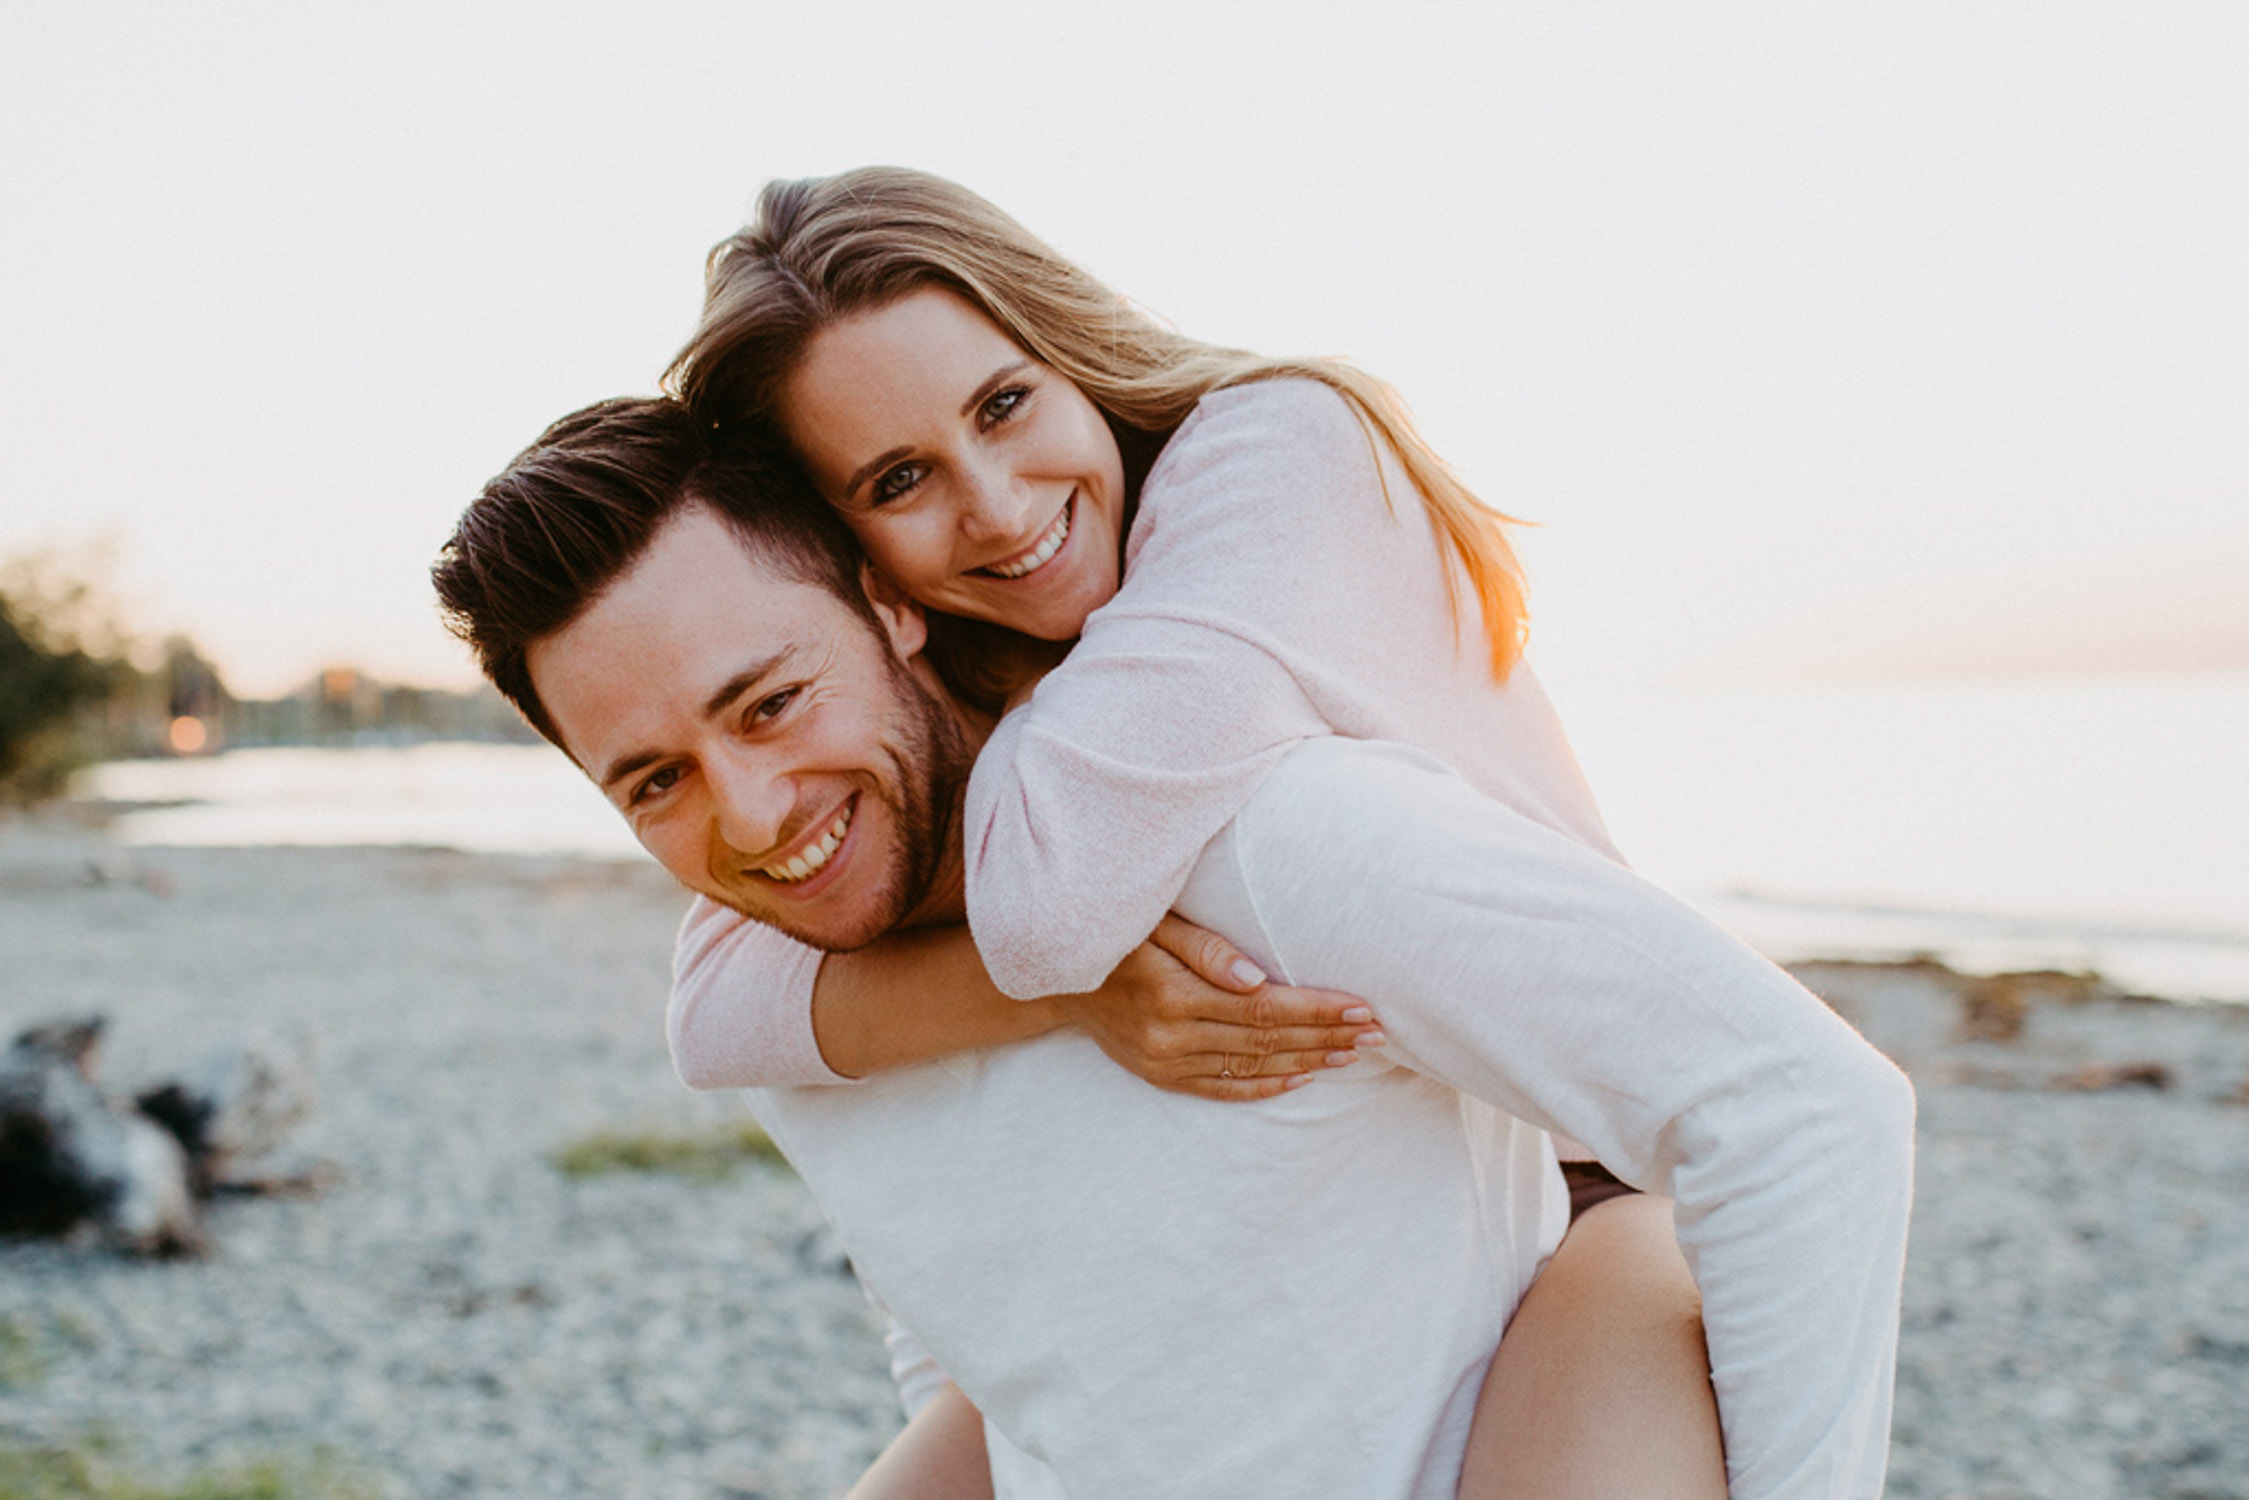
(824, 248)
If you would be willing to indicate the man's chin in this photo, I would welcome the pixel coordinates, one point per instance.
(830, 933)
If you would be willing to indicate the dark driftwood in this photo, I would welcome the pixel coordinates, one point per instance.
(72, 1156)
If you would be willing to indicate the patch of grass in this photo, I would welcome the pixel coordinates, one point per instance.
(701, 1156)
(88, 1471)
(23, 1363)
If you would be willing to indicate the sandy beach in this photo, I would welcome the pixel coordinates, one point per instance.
(454, 1316)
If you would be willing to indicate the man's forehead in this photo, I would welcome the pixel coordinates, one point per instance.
(693, 613)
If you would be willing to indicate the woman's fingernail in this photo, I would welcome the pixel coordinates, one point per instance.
(1245, 972)
(1357, 1014)
(1297, 1082)
(1342, 1059)
(1369, 1039)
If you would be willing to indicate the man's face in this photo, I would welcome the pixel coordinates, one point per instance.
(767, 744)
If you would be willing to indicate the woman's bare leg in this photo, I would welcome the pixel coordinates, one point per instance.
(1601, 1388)
(940, 1456)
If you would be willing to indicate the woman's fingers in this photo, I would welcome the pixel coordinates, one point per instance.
(1252, 1075)
(1280, 1007)
(1213, 960)
(1276, 1065)
(1278, 1044)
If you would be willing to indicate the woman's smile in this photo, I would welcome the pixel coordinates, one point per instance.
(1039, 553)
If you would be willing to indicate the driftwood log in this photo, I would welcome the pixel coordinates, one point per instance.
(75, 1158)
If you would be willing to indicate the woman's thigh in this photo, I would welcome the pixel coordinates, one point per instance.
(1601, 1387)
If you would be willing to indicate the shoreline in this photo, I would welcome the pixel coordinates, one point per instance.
(458, 1316)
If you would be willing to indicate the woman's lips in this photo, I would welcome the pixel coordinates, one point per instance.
(1040, 552)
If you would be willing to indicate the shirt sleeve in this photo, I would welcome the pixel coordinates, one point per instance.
(1520, 967)
(1090, 804)
(741, 1006)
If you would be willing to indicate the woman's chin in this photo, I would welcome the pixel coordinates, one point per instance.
(1056, 613)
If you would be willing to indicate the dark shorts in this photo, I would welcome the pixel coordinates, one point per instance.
(1589, 1183)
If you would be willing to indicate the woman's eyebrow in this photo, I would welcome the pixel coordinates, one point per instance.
(871, 468)
(993, 382)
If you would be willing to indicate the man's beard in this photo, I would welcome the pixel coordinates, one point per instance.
(932, 793)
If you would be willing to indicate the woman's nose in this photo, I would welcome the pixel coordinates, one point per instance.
(995, 504)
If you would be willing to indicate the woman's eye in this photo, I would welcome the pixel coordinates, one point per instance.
(894, 483)
(773, 705)
(1004, 405)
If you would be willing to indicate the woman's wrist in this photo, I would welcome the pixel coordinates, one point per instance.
(1043, 1016)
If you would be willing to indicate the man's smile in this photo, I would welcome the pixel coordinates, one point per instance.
(815, 851)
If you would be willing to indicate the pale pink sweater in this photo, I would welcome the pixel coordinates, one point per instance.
(1282, 581)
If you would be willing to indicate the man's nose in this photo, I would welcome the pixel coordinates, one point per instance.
(751, 804)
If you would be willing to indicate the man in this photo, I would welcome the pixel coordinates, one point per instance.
(1148, 1294)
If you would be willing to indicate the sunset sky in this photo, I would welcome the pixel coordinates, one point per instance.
(1823, 342)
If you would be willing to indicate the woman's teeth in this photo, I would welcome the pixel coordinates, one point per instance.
(1038, 556)
(808, 864)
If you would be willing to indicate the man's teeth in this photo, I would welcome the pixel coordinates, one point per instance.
(804, 866)
(1037, 557)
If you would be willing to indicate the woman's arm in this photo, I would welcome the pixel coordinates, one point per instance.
(1278, 568)
(1185, 1011)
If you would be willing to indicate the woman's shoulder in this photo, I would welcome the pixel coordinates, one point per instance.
(1273, 475)
(1295, 405)
(1288, 441)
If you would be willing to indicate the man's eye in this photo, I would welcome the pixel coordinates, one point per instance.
(894, 483)
(656, 785)
(773, 706)
(1004, 405)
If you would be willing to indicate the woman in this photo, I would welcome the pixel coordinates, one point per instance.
(993, 425)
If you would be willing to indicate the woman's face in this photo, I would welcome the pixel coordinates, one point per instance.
(982, 482)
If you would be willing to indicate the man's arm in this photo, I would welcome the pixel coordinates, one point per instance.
(1518, 966)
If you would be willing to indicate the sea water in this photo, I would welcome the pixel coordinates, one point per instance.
(2078, 824)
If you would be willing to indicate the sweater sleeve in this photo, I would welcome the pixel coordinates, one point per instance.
(741, 1006)
(1089, 805)
(1516, 965)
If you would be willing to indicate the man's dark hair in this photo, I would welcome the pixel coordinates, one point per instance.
(578, 507)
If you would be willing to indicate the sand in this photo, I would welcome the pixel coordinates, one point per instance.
(454, 1316)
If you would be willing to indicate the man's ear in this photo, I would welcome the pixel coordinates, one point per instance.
(900, 617)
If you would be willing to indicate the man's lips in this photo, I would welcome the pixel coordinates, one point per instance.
(814, 853)
(1041, 552)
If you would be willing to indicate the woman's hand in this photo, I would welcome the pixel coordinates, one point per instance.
(1187, 1012)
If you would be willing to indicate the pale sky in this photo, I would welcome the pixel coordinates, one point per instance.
(1831, 341)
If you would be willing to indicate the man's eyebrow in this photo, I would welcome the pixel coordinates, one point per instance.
(625, 765)
(978, 397)
(733, 688)
(742, 681)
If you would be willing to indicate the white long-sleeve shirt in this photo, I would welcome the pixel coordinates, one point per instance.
(1152, 1294)
(1275, 593)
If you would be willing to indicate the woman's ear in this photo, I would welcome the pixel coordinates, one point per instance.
(900, 617)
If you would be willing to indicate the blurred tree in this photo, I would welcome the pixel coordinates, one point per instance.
(48, 675)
